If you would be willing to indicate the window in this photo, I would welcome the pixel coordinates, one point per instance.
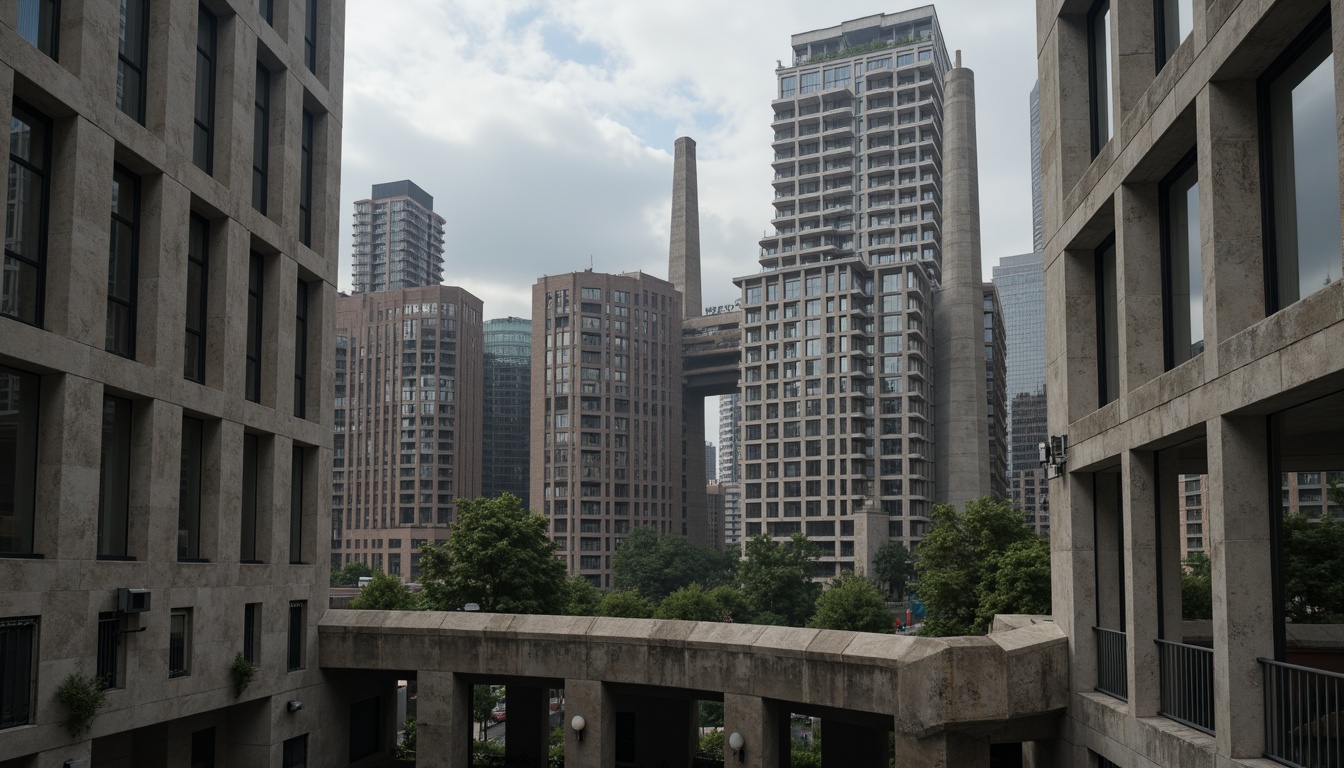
(301, 351)
(247, 544)
(1299, 154)
(1183, 278)
(294, 652)
(109, 649)
(179, 642)
(296, 752)
(189, 491)
(26, 222)
(18, 460)
(40, 23)
(18, 671)
(788, 86)
(203, 749)
(256, 275)
(296, 507)
(306, 180)
(203, 140)
(1099, 72)
(1174, 20)
(252, 632)
(114, 490)
(198, 254)
(267, 10)
(123, 263)
(1108, 330)
(310, 36)
(132, 53)
(261, 137)
(810, 82)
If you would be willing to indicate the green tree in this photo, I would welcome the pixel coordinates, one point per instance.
(732, 602)
(777, 579)
(482, 706)
(349, 574)
(384, 593)
(893, 568)
(1313, 569)
(659, 564)
(711, 715)
(498, 557)
(691, 603)
(581, 597)
(710, 747)
(405, 749)
(1197, 588)
(853, 603)
(958, 559)
(1020, 583)
(625, 604)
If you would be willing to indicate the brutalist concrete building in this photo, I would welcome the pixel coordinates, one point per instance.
(1194, 322)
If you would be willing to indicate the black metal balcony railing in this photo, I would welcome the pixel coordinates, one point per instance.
(1112, 663)
(1186, 674)
(1304, 715)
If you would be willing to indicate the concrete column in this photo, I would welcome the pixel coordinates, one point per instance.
(528, 725)
(1132, 55)
(156, 436)
(1172, 531)
(763, 726)
(1073, 573)
(1238, 531)
(683, 256)
(853, 745)
(1066, 129)
(1140, 557)
(79, 231)
(443, 729)
(1138, 248)
(592, 700)
(66, 514)
(943, 750)
(1071, 326)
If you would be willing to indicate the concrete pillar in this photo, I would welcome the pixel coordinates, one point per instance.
(853, 745)
(68, 465)
(444, 729)
(962, 466)
(528, 725)
(1073, 561)
(1132, 55)
(1140, 594)
(1066, 129)
(79, 231)
(764, 728)
(1138, 246)
(592, 700)
(1238, 530)
(683, 256)
(1172, 531)
(943, 750)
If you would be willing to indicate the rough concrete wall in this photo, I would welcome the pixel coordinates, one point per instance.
(683, 255)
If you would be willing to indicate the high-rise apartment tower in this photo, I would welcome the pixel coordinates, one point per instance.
(398, 239)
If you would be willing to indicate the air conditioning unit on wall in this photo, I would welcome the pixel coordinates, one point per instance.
(130, 600)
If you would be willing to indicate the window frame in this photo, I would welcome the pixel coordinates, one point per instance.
(130, 304)
(202, 262)
(210, 59)
(35, 121)
(1099, 8)
(249, 509)
(252, 613)
(306, 135)
(10, 695)
(256, 326)
(1103, 349)
(54, 33)
(183, 639)
(192, 537)
(261, 138)
(139, 68)
(266, 10)
(108, 659)
(301, 349)
(298, 462)
(27, 428)
(1164, 190)
(1160, 30)
(295, 635)
(114, 524)
(310, 36)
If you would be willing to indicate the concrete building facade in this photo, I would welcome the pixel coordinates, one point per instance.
(508, 402)
(398, 239)
(407, 425)
(607, 443)
(1190, 156)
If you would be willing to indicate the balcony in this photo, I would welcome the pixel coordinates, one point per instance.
(1186, 675)
(1112, 663)
(1304, 715)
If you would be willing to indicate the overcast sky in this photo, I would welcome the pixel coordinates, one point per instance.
(544, 128)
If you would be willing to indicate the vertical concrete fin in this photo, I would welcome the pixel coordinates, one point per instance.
(961, 414)
(683, 255)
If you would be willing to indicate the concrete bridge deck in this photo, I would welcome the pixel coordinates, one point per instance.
(946, 699)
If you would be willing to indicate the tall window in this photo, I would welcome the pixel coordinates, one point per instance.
(114, 491)
(179, 642)
(189, 490)
(203, 140)
(18, 460)
(306, 181)
(1174, 20)
(252, 632)
(261, 137)
(255, 275)
(1300, 155)
(132, 54)
(301, 351)
(247, 544)
(1108, 326)
(1099, 72)
(109, 649)
(297, 629)
(123, 262)
(267, 10)
(1183, 277)
(18, 671)
(198, 260)
(26, 215)
(295, 752)
(40, 24)
(310, 36)
(296, 507)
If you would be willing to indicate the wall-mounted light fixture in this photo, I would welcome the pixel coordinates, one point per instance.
(578, 723)
(738, 745)
(295, 706)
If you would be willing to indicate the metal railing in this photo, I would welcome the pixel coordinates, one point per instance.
(1112, 662)
(1186, 675)
(1304, 715)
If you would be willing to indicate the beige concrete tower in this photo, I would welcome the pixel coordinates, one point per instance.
(683, 255)
(962, 464)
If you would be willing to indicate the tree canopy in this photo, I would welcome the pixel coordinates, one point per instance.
(1197, 588)
(384, 593)
(498, 557)
(894, 568)
(1313, 569)
(349, 574)
(776, 578)
(625, 604)
(581, 597)
(656, 565)
(691, 603)
(853, 603)
(1020, 583)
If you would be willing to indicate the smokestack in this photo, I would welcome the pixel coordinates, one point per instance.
(683, 255)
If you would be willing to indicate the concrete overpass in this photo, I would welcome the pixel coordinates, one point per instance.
(636, 681)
